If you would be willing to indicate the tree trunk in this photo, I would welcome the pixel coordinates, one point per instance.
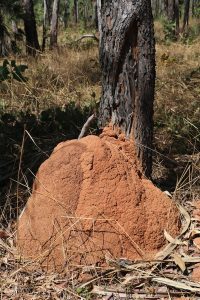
(95, 14)
(4, 38)
(54, 24)
(177, 16)
(32, 44)
(127, 57)
(47, 12)
(46, 22)
(165, 4)
(171, 10)
(76, 14)
(99, 19)
(193, 8)
(154, 7)
(186, 14)
(85, 12)
(173, 14)
(66, 14)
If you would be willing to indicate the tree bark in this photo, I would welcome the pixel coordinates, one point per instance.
(46, 21)
(54, 25)
(177, 16)
(173, 14)
(186, 14)
(99, 20)
(66, 13)
(193, 8)
(171, 10)
(32, 44)
(4, 36)
(95, 14)
(47, 12)
(127, 57)
(76, 14)
(165, 4)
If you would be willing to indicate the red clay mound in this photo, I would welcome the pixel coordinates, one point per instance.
(90, 200)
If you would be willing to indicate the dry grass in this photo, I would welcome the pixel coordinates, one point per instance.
(177, 111)
(177, 86)
(55, 79)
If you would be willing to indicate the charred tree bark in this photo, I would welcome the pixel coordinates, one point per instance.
(186, 14)
(127, 57)
(32, 44)
(54, 25)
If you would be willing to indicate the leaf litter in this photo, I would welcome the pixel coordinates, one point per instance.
(168, 276)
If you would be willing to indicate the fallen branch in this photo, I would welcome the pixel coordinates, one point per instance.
(86, 126)
(112, 294)
(87, 36)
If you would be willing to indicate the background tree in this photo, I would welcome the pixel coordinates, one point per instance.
(127, 57)
(186, 14)
(173, 13)
(95, 13)
(46, 21)
(4, 36)
(13, 9)
(66, 13)
(32, 44)
(196, 8)
(76, 12)
(54, 24)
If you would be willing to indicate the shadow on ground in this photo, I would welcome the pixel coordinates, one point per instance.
(26, 140)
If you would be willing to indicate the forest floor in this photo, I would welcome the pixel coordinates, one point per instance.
(62, 91)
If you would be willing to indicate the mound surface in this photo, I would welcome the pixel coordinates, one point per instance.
(90, 201)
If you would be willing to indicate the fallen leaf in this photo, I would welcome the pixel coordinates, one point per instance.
(170, 239)
(176, 284)
(179, 262)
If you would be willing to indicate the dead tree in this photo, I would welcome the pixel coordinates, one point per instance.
(127, 58)
(32, 44)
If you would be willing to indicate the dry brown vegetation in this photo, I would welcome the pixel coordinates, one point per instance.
(61, 92)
